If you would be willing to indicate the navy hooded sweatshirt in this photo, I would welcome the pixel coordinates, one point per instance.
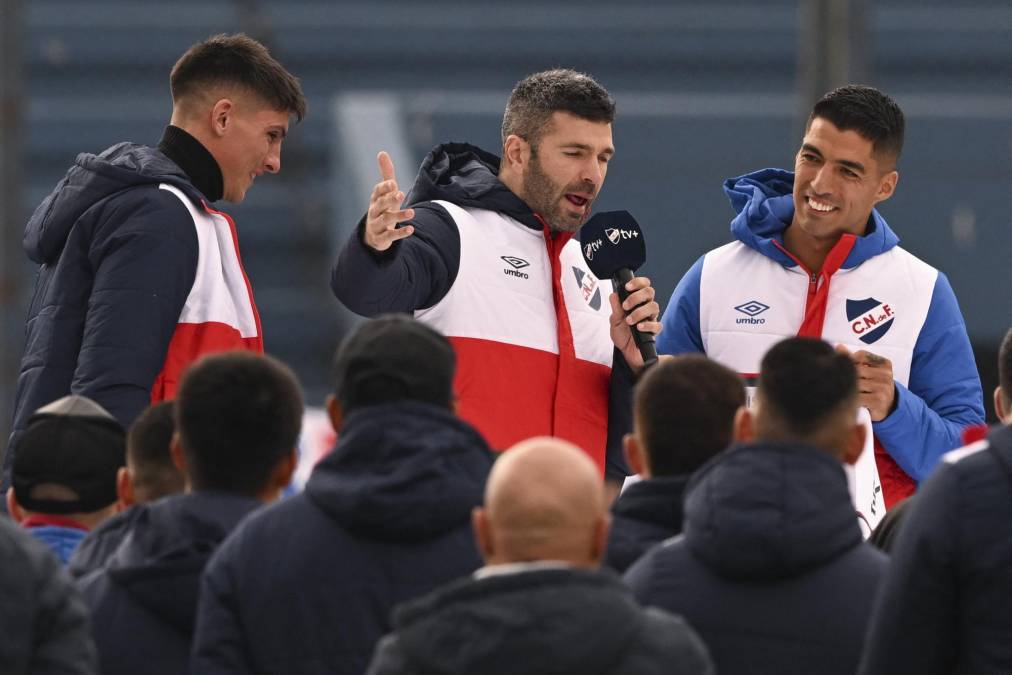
(307, 585)
(144, 601)
(771, 569)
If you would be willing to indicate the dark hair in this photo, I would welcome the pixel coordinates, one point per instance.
(803, 382)
(537, 96)
(241, 61)
(238, 414)
(685, 410)
(151, 469)
(1005, 366)
(394, 358)
(869, 112)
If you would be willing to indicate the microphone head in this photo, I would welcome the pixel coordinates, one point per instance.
(611, 241)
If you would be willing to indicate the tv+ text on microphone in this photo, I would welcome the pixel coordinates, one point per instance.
(613, 248)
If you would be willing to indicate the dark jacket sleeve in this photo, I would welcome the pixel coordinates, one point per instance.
(913, 626)
(42, 616)
(620, 415)
(144, 257)
(389, 659)
(219, 644)
(414, 273)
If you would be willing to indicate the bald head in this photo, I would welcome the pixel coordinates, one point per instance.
(544, 501)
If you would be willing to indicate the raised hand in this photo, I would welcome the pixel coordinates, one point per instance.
(385, 210)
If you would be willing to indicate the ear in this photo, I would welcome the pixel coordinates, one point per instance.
(13, 508)
(335, 413)
(854, 445)
(516, 153)
(221, 116)
(887, 186)
(125, 488)
(284, 470)
(482, 533)
(744, 426)
(179, 459)
(634, 455)
(999, 405)
(600, 543)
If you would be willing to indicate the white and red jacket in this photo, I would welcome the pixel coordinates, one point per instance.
(137, 278)
(526, 317)
(738, 300)
(219, 314)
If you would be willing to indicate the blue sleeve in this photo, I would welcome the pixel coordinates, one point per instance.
(144, 257)
(913, 626)
(680, 331)
(414, 273)
(943, 395)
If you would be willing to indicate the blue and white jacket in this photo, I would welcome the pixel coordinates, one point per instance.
(738, 300)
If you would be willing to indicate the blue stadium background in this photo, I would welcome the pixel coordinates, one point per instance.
(705, 91)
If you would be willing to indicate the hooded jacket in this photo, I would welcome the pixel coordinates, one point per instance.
(137, 278)
(536, 622)
(43, 621)
(740, 299)
(144, 601)
(523, 312)
(944, 605)
(645, 514)
(771, 569)
(307, 585)
(99, 544)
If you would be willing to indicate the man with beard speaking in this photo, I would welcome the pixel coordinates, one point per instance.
(483, 250)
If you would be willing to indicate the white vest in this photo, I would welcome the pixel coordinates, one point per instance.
(534, 357)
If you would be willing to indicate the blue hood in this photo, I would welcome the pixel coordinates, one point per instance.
(764, 203)
(91, 179)
(764, 511)
(402, 472)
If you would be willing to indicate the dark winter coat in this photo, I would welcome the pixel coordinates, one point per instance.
(538, 622)
(946, 603)
(645, 514)
(43, 621)
(771, 568)
(144, 601)
(307, 585)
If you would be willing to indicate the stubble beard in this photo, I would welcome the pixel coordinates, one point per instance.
(544, 196)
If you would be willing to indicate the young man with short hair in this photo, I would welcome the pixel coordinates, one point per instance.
(149, 475)
(683, 415)
(772, 569)
(485, 253)
(238, 416)
(308, 584)
(139, 274)
(540, 604)
(813, 257)
(64, 477)
(944, 606)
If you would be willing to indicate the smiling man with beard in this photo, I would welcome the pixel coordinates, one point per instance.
(483, 250)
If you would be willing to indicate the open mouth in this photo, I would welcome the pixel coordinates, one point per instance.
(577, 200)
(821, 207)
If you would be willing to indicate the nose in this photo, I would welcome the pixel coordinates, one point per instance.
(821, 182)
(593, 172)
(272, 162)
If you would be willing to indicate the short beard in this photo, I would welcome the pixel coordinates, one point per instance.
(543, 195)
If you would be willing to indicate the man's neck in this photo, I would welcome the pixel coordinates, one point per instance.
(811, 252)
